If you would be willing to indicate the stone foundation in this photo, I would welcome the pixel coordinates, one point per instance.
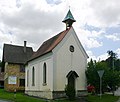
(58, 94)
(41, 94)
(53, 94)
(81, 93)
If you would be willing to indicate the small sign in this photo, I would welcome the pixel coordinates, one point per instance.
(100, 73)
(12, 80)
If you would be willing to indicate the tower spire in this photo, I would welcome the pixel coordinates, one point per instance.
(69, 19)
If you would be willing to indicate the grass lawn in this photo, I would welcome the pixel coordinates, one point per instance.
(20, 97)
(104, 98)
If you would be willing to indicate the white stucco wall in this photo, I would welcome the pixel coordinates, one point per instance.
(65, 61)
(59, 63)
(38, 65)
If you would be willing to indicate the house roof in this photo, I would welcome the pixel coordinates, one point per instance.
(16, 54)
(49, 45)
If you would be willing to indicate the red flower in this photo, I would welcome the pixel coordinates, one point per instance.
(90, 88)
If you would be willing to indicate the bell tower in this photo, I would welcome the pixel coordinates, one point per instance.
(69, 19)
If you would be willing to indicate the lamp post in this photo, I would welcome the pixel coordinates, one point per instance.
(100, 73)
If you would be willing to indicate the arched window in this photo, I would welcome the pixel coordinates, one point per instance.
(27, 77)
(33, 76)
(44, 74)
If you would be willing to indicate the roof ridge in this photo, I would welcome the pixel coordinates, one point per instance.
(53, 37)
(50, 44)
(15, 53)
(17, 45)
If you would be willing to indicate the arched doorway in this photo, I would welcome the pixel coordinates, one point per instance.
(71, 76)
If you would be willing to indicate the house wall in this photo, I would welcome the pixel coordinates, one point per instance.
(39, 89)
(65, 61)
(13, 70)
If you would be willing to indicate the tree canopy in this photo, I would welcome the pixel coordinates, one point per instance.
(111, 77)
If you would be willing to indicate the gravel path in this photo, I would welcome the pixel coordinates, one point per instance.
(118, 100)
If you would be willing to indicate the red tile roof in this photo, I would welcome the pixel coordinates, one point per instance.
(49, 45)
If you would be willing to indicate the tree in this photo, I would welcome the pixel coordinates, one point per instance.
(117, 65)
(111, 59)
(111, 75)
(92, 75)
(112, 79)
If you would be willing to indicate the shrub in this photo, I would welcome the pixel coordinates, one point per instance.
(70, 92)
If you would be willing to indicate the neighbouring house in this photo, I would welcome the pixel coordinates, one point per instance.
(14, 59)
(60, 61)
(1, 78)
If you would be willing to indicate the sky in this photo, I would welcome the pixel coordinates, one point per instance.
(97, 23)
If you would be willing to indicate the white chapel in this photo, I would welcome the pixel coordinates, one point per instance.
(59, 61)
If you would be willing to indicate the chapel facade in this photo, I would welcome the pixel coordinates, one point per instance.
(60, 61)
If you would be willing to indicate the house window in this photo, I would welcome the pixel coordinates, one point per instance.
(22, 82)
(44, 74)
(33, 76)
(27, 77)
(22, 68)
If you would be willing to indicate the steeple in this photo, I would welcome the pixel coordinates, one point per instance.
(69, 19)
